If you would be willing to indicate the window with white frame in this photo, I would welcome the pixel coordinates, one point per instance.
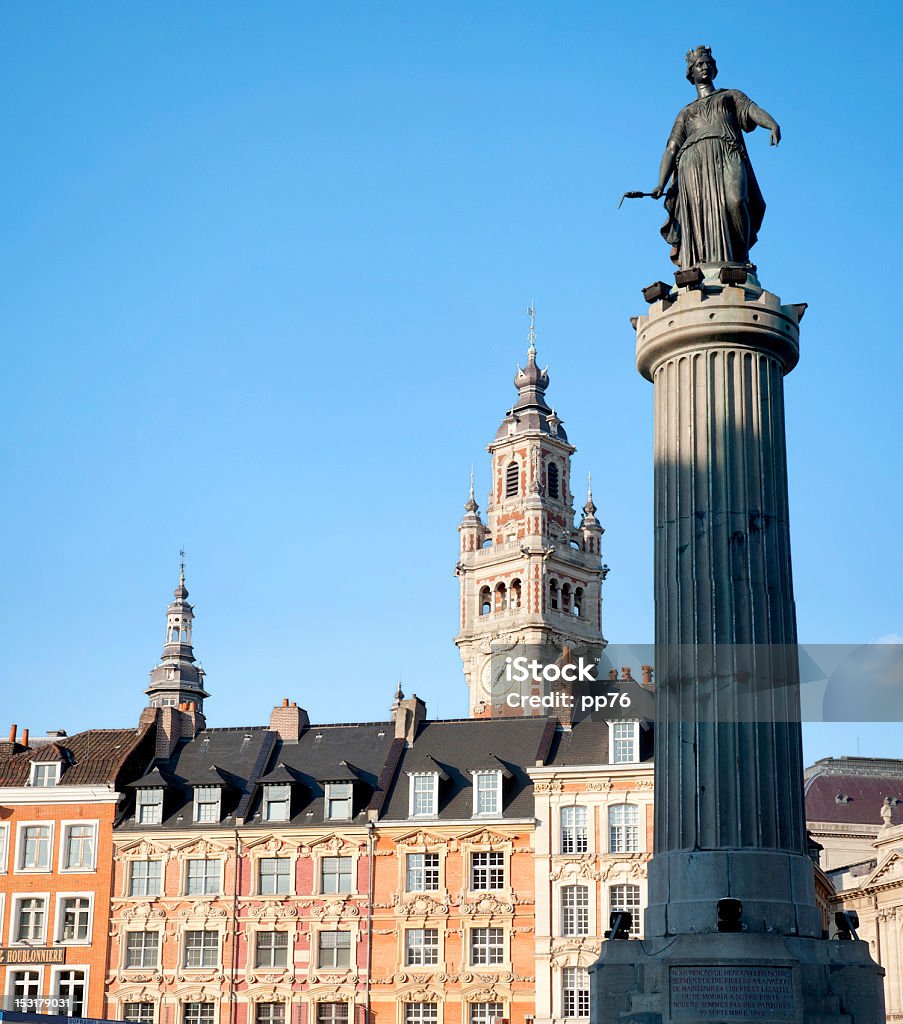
(624, 742)
(487, 870)
(149, 806)
(24, 987)
(274, 876)
(204, 877)
(269, 1013)
(34, 849)
(139, 1013)
(487, 792)
(198, 1013)
(29, 919)
(142, 950)
(574, 831)
(79, 847)
(201, 948)
(332, 1013)
(421, 1013)
(71, 986)
(74, 919)
(487, 946)
(145, 877)
(575, 910)
(626, 897)
(485, 1013)
(277, 802)
(337, 874)
(339, 796)
(424, 788)
(624, 828)
(4, 848)
(574, 992)
(422, 873)
(272, 949)
(44, 773)
(421, 947)
(207, 803)
(334, 950)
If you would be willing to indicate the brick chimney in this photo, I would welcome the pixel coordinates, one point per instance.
(174, 724)
(288, 721)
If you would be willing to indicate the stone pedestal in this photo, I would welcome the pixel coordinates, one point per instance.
(729, 814)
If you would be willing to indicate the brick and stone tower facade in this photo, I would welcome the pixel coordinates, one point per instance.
(528, 576)
(178, 679)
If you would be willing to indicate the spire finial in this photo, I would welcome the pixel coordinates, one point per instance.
(531, 313)
(181, 590)
(589, 508)
(472, 507)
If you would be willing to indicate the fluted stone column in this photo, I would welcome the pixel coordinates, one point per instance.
(728, 744)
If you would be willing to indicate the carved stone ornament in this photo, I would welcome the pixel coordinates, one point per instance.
(487, 905)
(599, 786)
(333, 843)
(336, 909)
(202, 909)
(486, 837)
(421, 838)
(330, 995)
(575, 867)
(419, 995)
(143, 912)
(275, 910)
(422, 906)
(484, 995)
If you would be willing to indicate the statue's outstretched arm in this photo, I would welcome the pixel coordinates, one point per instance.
(666, 168)
(764, 120)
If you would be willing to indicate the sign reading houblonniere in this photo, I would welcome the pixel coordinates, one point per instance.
(32, 955)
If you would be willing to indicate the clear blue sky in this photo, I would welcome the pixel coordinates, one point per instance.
(264, 269)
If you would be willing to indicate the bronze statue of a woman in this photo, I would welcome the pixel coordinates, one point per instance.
(714, 205)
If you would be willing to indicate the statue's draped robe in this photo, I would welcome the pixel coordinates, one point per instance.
(714, 205)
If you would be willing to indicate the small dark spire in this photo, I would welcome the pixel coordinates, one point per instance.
(181, 591)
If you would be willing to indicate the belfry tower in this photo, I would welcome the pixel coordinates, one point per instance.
(528, 576)
(177, 679)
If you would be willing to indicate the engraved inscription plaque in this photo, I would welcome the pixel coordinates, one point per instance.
(748, 992)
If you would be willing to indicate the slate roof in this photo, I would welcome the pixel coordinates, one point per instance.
(466, 745)
(861, 784)
(368, 755)
(91, 758)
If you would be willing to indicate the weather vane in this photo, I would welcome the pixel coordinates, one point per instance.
(531, 313)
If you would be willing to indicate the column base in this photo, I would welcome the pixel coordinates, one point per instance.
(720, 977)
(776, 888)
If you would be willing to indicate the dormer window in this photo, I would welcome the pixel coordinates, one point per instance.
(277, 802)
(149, 806)
(207, 801)
(339, 796)
(487, 792)
(624, 742)
(44, 774)
(424, 789)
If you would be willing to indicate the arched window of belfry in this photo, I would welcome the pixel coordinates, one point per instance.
(514, 598)
(566, 598)
(553, 594)
(512, 479)
(501, 597)
(578, 602)
(552, 478)
(485, 601)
